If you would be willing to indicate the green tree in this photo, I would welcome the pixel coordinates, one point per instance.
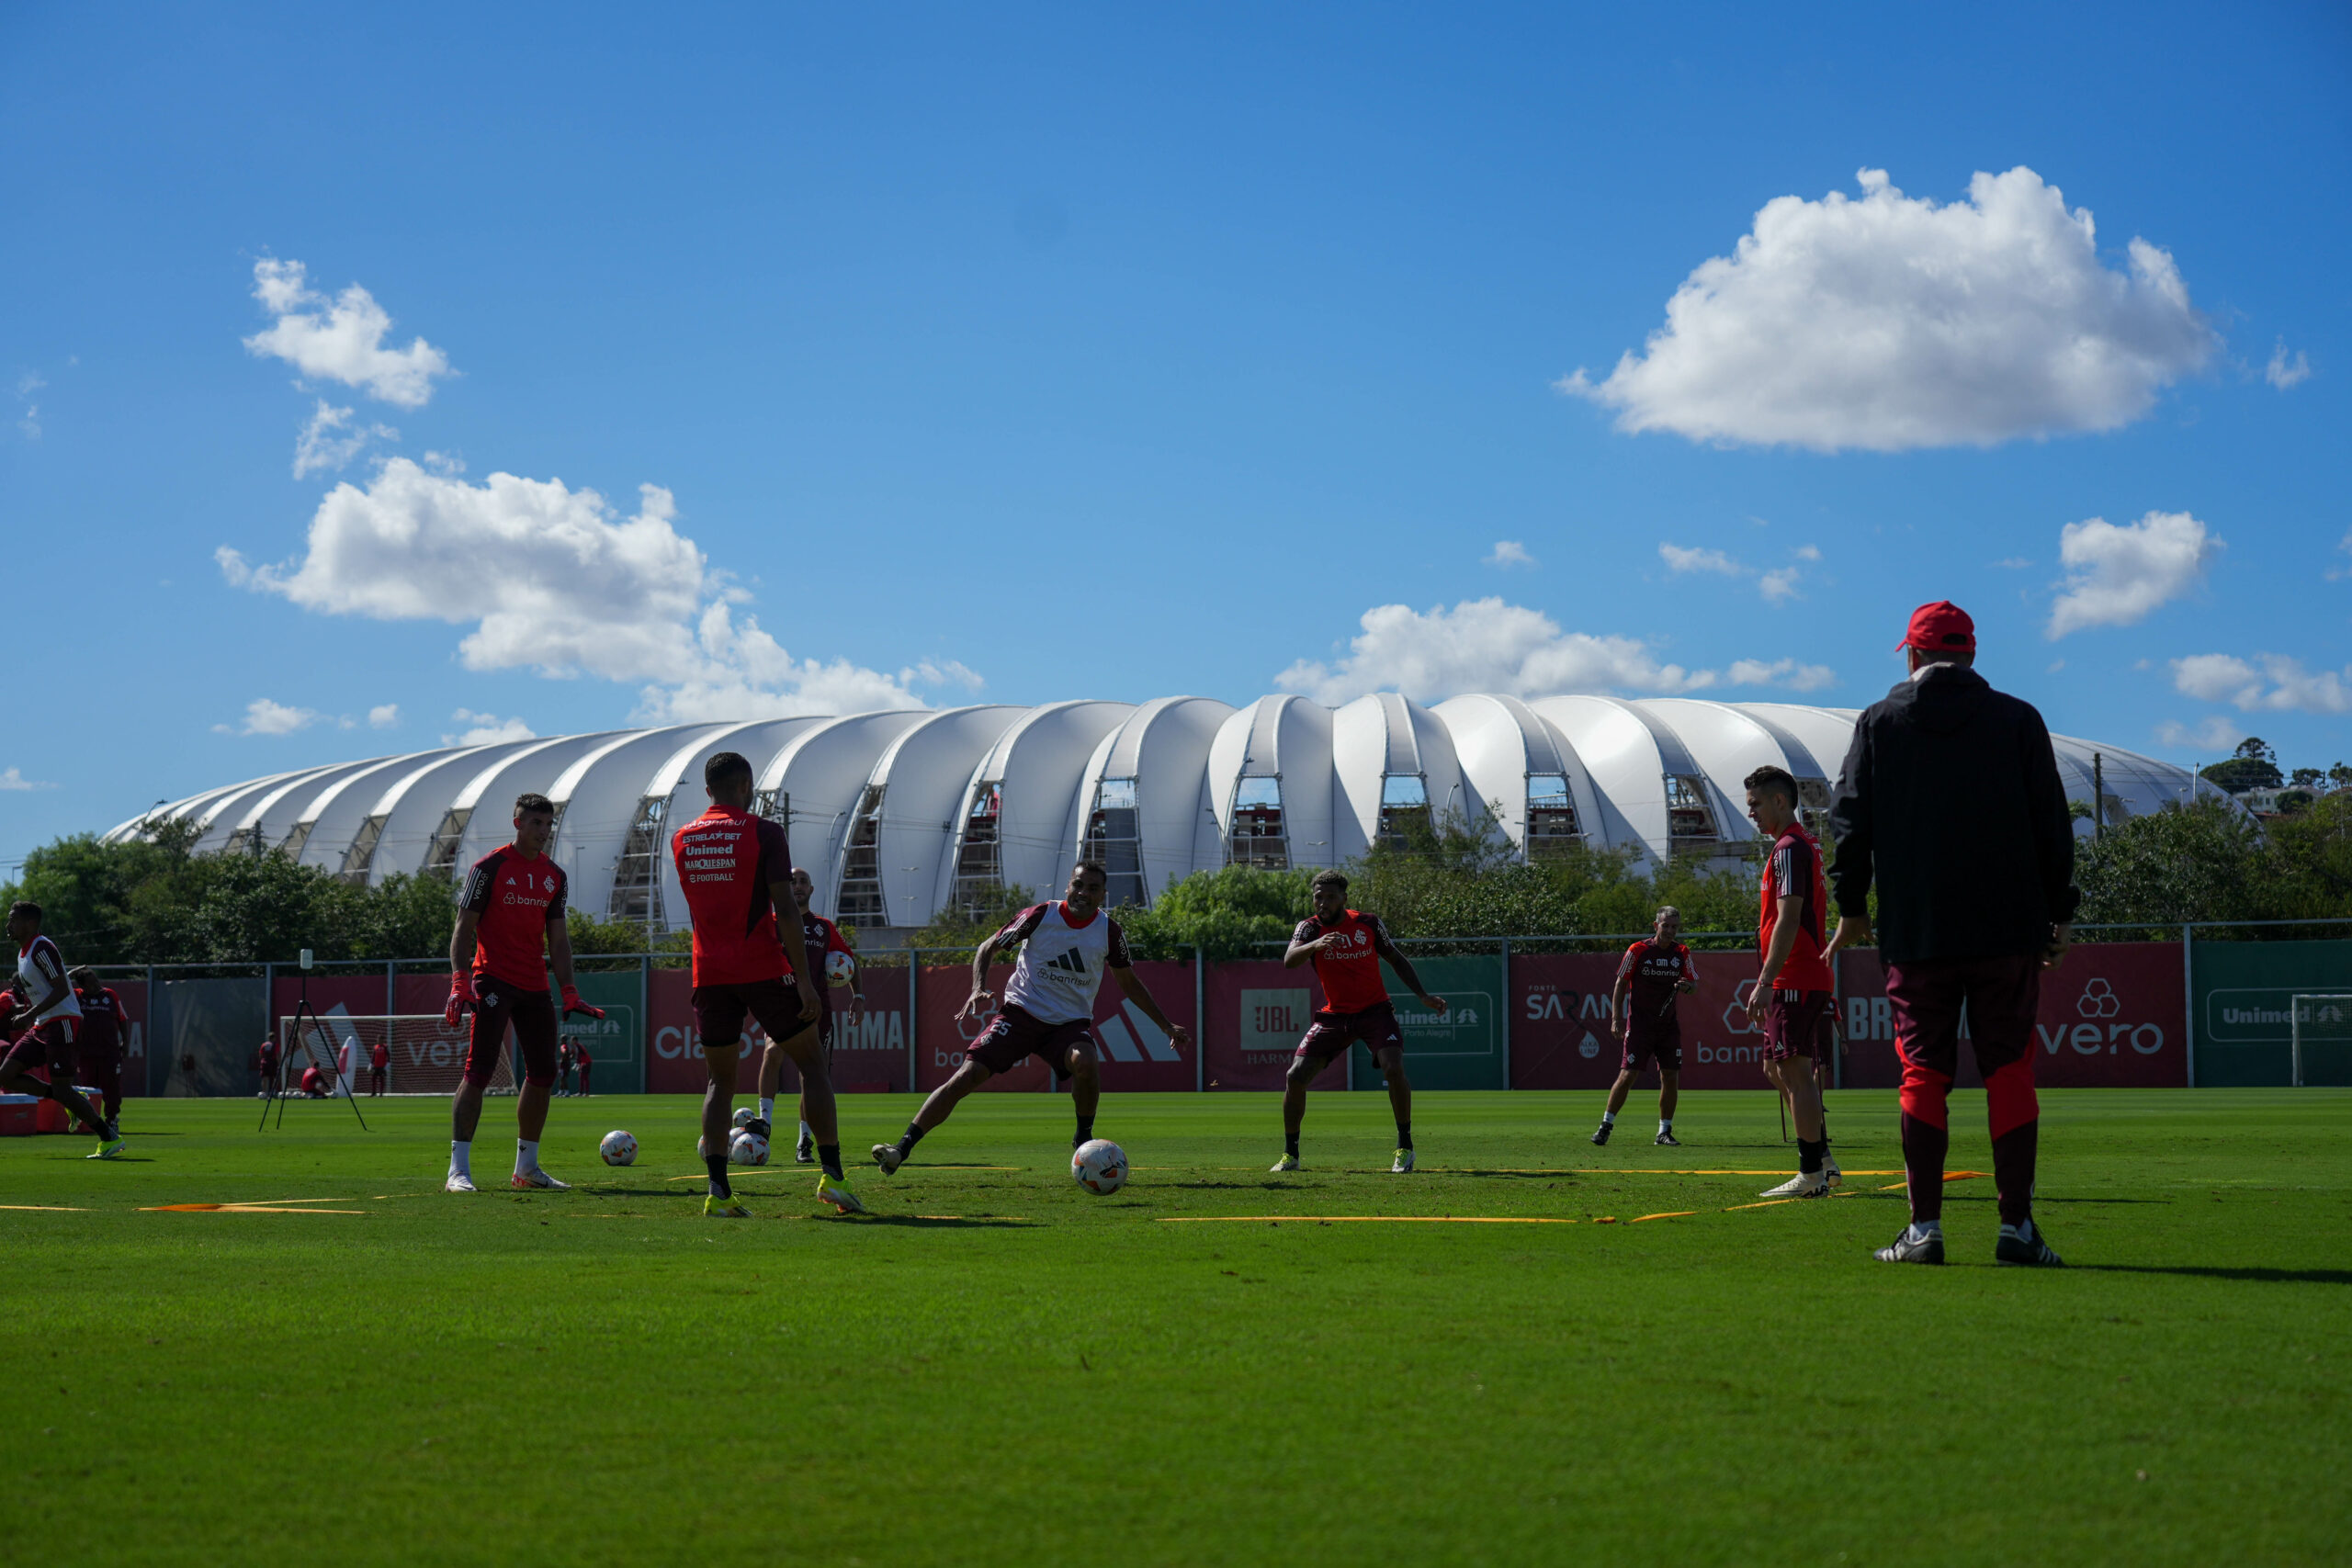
(2189, 863)
(2253, 766)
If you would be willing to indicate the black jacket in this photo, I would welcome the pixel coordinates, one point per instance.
(1951, 795)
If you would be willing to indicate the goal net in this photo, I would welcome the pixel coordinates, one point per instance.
(2321, 1031)
(427, 1057)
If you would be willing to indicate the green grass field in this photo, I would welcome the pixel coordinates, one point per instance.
(999, 1367)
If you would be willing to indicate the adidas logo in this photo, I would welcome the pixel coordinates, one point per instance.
(1074, 962)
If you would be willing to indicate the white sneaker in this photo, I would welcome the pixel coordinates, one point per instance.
(535, 1176)
(887, 1156)
(460, 1181)
(1404, 1165)
(1800, 1186)
(1288, 1162)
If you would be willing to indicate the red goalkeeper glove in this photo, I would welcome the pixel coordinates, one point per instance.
(461, 996)
(571, 1004)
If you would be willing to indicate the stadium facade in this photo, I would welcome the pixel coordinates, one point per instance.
(900, 815)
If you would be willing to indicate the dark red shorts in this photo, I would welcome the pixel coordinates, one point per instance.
(1015, 1034)
(1642, 1045)
(531, 1013)
(719, 1010)
(1328, 1033)
(1796, 1024)
(50, 1046)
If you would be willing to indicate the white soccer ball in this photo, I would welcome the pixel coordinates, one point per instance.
(1100, 1165)
(745, 1117)
(618, 1148)
(747, 1148)
(839, 968)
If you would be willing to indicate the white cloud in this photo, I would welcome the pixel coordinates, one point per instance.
(26, 384)
(384, 717)
(344, 342)
(1777, 586)
(265, 717)
(1509, 553)
(14, 779)
(549, 579)
(2116, 575)
(1678, 560)
(2269, 683)
(2282, 372)
(2218, 733)
(1890, 323)
(1785, 672)
(1483, 644)
(331, 440)
(488, 729)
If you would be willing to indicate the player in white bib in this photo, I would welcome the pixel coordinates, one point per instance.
(44, 1004)
(1048, 1010)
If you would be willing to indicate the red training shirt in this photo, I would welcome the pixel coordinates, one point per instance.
(1795, 867)
(1651, 969)
(726, 860)
(821, 936)
(517, 900)
(1350, 977)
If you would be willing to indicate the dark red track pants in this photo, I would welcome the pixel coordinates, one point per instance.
(1999, 997)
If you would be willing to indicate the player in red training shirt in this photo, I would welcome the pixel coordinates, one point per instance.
(105, 1028)
(1654, 972)
(736, 870)
(1792, 995)
(379, 1067)
(1346, 946)
(510, 927)
(50, 1020)
(820, 940)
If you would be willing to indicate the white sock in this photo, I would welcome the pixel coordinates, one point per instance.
(2023, 1231)
(1666, 1123)
(767, 1109)
(1608, 1117)
(462, 1157)
(1921, 1230)
(526, 1155)
(804, 1135)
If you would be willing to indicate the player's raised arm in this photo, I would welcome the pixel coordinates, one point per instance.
(788, 919)
(1023, 926)
(1305, 943)
(1383, 944)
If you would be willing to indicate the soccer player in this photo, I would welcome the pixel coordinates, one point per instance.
(1951, 797)
(510, 927)
(563, 1067)
(579, 1050)
(1346, 946)
(265, 1066)
(1049, 1008)
(821, 939)
(379, 1069)
(1791, 1001)
(52, 1024)
(104, 1025)
(1654, 972)
(737, 871)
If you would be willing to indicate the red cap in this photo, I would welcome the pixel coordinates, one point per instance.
(1940, 628)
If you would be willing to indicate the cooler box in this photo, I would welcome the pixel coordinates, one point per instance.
(19, 1115)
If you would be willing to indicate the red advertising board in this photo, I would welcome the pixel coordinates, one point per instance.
(870, 1053)
(1134, 1056)
(1563, 1036)
(1258, 1012)
(2112, 1016)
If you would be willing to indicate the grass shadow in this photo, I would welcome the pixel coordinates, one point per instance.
(2209, 1272)
(940, 1222)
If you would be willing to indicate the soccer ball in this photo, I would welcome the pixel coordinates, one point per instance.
(618, 1148)
(747, 1148)
(1100, 1165)
(745, 1117)
(839, 968)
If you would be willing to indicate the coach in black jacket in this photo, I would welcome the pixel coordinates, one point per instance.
(1949, 796)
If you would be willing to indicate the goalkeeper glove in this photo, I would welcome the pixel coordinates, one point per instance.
(571, 1004)
(461, 996)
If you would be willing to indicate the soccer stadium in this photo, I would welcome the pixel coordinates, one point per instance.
(899, 815)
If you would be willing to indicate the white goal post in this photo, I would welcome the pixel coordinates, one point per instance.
(2319, 1030)
(427, 1056)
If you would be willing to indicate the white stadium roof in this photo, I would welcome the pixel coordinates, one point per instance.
(896, 813)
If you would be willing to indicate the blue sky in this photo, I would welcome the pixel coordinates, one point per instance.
(1046, 353)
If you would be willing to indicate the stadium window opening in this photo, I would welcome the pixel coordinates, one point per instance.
(1552, 825)
(1112, 838)
(1258, 837)
(1404, 809)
